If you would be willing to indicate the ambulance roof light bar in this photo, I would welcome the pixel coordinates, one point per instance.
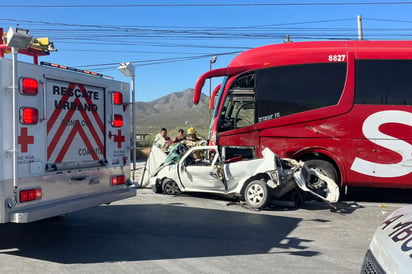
(72, 69)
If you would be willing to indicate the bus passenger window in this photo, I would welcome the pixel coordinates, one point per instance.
(282, 91)
(383, 82)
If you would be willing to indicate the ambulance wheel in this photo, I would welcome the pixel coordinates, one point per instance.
(256, 194)
(324, 168)
(170, 187)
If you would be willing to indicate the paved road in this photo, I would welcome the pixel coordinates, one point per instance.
(154, 233)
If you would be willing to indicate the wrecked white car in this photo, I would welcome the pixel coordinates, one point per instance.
(257, 181)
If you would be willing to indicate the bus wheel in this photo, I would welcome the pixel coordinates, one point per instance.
(256, 194)
(324, 168)
(170, 187)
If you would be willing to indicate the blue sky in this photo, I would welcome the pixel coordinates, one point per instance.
(171, 42)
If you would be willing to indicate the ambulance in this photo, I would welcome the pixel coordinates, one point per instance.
(64, 136)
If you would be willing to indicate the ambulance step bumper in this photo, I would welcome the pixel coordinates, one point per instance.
(63, 207)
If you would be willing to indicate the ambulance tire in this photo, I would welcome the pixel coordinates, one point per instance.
(256, 194)
(170, 187)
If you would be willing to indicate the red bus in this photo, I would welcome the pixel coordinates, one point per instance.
(343, 106)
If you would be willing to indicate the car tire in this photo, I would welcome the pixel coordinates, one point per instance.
(170, 187)
(157, 187)
(325, 168)
(256, 194)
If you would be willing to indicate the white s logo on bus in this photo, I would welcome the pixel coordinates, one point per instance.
(371, 131)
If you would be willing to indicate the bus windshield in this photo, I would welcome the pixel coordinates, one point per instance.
(239, 106)
(219, 97)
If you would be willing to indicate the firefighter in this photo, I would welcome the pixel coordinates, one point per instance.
(192, 139)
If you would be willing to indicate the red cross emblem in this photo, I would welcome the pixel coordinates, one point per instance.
(24, 140)
(119, 139)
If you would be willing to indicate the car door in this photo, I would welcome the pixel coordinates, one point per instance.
(198, 169)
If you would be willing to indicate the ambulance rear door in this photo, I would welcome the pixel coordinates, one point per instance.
(75, 124)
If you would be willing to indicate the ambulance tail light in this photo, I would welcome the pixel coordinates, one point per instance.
(28, 195)
(117, 98)
(117, 120)
(29, 86)
(29, 116)
(118, 180)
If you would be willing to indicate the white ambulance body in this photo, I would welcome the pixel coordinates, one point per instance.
(72, 142)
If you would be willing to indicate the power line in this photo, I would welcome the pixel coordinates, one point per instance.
(207, 5)
(128, 51)
(388, 20)
(127, 28)
(185, 38)
(162, 60)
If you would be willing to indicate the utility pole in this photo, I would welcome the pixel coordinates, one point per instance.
(287, 39)
(360, 29)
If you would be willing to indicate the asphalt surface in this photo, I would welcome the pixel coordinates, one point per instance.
(155, 233)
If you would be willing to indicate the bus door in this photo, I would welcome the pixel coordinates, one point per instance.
(237, 118)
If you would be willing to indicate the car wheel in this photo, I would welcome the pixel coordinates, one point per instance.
(317, 185)
(256, 194)
(170, 187)
(157, 187)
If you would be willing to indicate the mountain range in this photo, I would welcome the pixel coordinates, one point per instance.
(173, 111)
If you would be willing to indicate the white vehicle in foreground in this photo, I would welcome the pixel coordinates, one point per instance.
(390, 250)
(206, 169)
